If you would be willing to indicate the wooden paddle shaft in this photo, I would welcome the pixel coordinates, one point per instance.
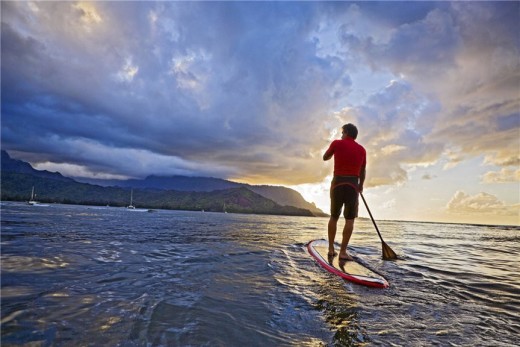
(372, 218)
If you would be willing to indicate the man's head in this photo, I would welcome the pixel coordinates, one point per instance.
(350, 130)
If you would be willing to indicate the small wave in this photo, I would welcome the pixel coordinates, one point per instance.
(108, 256)
(176, 279)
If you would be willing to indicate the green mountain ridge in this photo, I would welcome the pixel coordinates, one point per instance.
(279, 194)
(236, 200)
(55, 188)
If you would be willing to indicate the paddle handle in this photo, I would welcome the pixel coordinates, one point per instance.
(372, 218)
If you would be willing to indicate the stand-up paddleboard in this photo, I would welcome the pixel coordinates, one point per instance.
(352, 271)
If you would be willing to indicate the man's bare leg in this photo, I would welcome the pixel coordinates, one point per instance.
(347, 233)
(333, 224)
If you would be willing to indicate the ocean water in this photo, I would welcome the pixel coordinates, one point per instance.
(95, 276)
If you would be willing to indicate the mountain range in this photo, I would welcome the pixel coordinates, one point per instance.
(169, 192)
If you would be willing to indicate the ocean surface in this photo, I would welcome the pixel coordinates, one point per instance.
(101, 276)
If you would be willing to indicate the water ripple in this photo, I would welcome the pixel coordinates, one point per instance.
(73, 276)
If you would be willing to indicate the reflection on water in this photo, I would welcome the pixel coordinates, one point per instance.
(80, 276)
(30, 264)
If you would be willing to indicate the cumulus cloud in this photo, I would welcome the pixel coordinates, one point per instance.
(464, 58)
(505, 175)
(244, 94)
(480, 94)
(480, 204)
(255, 93)
(387, 129)
(427, 176)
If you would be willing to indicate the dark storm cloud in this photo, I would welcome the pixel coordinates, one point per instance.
(232, 82)
(245, 90)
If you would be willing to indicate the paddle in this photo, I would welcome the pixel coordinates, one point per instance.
(388, 253)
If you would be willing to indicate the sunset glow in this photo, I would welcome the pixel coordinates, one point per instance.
(255, 92)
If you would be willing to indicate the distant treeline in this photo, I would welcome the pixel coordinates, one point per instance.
(17, 187)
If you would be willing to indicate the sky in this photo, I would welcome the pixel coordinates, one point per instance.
(255, 92)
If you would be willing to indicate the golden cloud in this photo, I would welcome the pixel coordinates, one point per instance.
(480, 204)
(505, 175)
(89, 14)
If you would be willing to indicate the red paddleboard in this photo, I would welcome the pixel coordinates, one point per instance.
(351, 271)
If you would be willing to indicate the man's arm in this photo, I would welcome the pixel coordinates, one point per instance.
(362, 179)
(327, 155)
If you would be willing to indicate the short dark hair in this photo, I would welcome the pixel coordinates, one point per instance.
(351, 130)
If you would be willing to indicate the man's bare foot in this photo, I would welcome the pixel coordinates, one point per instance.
(332, 254)
(345, 257)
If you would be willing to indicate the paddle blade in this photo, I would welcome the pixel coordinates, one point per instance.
(388, 253)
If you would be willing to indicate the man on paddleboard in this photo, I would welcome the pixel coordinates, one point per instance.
(349, 176)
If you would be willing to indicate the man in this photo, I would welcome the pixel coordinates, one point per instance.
(349, 177)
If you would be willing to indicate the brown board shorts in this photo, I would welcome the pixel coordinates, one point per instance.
(344, 192)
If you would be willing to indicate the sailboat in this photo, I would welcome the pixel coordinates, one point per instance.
(32, 202)
(131, 206)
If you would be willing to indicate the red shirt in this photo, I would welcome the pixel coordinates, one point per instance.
(350, 158)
